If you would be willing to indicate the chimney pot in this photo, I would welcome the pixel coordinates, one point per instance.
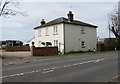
(42, 22)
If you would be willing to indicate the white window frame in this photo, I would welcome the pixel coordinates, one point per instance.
(39, 32)
(55, 29)
(56, 43)
(39, 43)
(46, 30)
(82, 30)
(82, 44)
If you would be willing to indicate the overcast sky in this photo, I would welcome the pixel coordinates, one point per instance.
(21, 28)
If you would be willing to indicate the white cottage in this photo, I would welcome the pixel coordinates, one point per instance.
(66, 33)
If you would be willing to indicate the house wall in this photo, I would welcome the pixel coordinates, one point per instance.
(30, 42)
(50, 37)
(73, 38)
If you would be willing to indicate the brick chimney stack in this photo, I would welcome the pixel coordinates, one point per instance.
(70, 16)
(42, 22)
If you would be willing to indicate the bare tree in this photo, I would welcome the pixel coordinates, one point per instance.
(113, 22)
(7, 8)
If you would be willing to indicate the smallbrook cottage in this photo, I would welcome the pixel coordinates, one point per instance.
(67, 34)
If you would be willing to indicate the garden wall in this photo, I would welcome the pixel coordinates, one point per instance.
(18, 48)
(44, 50)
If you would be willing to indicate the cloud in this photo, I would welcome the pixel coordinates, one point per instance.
(71, 1)
(13, 24)
(18, 33)
(20, 27)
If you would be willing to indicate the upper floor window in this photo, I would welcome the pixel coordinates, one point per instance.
(82, 30)
(83, 44)
(46, 31)
(39, 32)
(55, 29)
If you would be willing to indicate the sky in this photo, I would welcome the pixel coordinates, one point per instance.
(21, 28)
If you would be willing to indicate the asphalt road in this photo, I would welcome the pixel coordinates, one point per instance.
(87, 68)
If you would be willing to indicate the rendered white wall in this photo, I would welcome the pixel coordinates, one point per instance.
(30, 43)
(73, 38)
(51, 37)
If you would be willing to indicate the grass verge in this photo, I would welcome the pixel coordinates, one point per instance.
(76, 53)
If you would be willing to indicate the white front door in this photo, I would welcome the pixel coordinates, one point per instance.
(39, 43)
(62, 49)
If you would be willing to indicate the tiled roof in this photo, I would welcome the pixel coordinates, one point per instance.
(65, 20)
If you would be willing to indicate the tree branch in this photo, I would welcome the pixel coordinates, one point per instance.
(115, 33)
(4, 11)
(114, 23)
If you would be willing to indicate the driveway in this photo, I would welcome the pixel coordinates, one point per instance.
(16, 54)
(15, 57)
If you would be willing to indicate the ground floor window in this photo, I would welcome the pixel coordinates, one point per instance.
(83, 44)
(39, 43)
(55, 42)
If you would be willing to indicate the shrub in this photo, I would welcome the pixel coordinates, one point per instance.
(43, 43)
(49, 43)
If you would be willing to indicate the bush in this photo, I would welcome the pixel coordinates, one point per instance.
(43, 43)
(49, 43)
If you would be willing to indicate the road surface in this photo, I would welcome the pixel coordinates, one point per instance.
(74, 68)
